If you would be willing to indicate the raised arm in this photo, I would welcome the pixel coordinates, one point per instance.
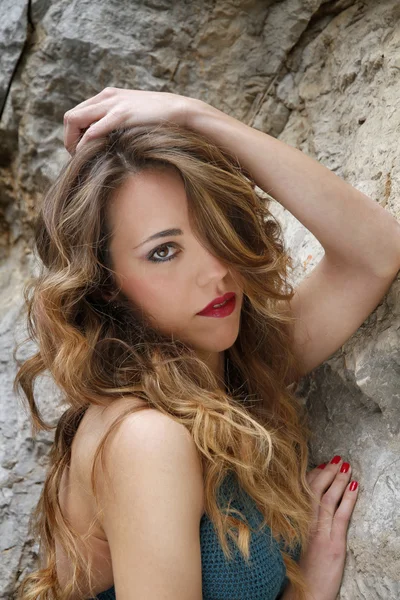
(361, 240)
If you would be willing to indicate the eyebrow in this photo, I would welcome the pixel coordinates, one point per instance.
(160, 234)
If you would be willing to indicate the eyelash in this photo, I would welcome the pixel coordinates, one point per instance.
(160, 260)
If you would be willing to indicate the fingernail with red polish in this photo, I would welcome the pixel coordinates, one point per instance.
(345, 467)
(353, 486)
(336, 459)
(322, 466)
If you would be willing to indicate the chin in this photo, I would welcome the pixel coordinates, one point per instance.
(220, 342)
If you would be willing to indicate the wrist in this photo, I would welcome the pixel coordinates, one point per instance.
(202, 117)
(193, 110)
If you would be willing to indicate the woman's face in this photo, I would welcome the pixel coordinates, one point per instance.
(170, 292)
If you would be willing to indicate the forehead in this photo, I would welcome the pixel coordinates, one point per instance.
(146, 203)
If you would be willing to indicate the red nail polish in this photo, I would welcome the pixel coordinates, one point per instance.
(336, 459)
(353, 486)
(345, 467)
(322, 466)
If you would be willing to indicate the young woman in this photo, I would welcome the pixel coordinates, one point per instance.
(164, 312)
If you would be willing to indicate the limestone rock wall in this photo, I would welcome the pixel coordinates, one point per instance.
(323, 76)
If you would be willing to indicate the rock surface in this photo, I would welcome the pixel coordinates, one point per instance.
(323, 77)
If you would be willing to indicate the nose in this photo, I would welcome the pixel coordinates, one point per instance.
(209, 267)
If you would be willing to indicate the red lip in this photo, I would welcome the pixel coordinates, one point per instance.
(218, 300)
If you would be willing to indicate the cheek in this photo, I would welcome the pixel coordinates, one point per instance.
(143, 292)
(157, 296)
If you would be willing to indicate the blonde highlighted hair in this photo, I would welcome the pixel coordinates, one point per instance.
(97, 353)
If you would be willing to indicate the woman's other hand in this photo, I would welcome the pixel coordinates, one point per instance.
(115, 107)
(323, 561)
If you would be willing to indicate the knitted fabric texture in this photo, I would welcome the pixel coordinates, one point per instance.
(264, 578)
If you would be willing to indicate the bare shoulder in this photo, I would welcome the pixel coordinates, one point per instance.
(146, 539)
(151, 496)
(144, 432)
(155, 444)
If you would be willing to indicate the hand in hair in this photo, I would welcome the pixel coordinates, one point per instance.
(115, 108)
(322, 562)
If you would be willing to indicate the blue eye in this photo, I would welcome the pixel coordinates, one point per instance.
(150, 256)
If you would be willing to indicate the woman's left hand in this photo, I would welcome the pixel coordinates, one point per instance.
(117, 107)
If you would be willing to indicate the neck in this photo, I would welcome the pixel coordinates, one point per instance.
(216, 362)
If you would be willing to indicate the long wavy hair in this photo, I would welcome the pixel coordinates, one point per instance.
(97, 353)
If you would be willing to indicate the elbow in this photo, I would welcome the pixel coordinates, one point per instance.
(385, 264)
(386, 271)
(389, 266)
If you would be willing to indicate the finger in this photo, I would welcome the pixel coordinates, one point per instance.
(311, 475)
(105, 93)
(323, 480)
(342, 515)
(79, 119)
(110, 121)
(332, 497)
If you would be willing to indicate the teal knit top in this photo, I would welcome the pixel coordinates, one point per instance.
(264, 578)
